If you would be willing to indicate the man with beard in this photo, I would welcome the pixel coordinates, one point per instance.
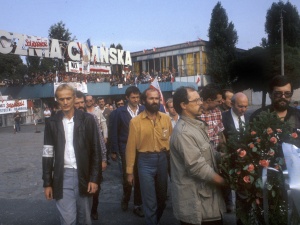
(80, 104)
(280, 93)
(148, 141)
(196, 185)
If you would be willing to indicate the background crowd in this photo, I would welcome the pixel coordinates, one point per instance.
(127, 78)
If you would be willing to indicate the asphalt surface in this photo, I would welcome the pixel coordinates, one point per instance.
(22, 199)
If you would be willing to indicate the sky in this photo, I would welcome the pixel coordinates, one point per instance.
(136, 24)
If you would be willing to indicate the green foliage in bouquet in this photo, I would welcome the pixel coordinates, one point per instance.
(248, 151)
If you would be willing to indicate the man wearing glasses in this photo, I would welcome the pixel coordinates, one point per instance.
(280, 93)
(196, 185)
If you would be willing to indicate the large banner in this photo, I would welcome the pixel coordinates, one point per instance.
(11, 106)
(25, 45)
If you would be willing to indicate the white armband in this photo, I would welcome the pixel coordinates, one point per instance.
(48, 151)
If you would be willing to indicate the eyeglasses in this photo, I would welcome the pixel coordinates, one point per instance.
(279, 94)
(198, 101)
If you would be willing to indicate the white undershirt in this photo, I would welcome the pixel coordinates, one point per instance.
(236, 120)
(132, 113)
(69, 157)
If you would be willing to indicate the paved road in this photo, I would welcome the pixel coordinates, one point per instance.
(21, 194)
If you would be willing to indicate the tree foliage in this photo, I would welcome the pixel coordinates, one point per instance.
(222, 40)
(258, 65)
(291, 24)
(56, 31)
(11, 66)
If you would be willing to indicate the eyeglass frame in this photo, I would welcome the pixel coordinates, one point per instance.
(287, 94)
(197, 100)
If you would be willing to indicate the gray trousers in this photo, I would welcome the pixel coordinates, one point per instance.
(73, 208)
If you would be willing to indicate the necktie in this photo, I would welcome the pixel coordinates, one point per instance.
(240, 124)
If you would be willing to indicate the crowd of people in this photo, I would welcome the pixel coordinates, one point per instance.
(182, 144)
(127, 78)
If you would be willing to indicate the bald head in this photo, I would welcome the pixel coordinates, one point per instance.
(239, 103)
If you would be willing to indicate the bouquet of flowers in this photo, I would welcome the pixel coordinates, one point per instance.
(250, 151)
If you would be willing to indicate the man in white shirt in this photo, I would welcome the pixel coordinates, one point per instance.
(235, 118)
(47, 114)
(70, 157)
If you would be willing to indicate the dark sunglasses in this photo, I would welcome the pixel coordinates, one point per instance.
(279, 94)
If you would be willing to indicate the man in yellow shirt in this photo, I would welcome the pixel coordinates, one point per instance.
(148, 140)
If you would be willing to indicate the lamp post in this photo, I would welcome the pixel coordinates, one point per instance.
(282, 48)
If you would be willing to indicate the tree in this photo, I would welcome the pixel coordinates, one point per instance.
(291, 25)
(11, 67)
(221, 46)
(56, 31)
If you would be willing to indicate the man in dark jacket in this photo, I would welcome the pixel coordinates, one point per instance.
(71, 155)
(119, 136)
(281, 92)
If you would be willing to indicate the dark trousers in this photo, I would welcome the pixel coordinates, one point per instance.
(127, 188)
(96, 198)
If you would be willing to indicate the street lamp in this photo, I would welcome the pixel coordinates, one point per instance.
(282, 48)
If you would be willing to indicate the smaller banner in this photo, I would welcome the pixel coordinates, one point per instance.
(74, 67)
(36, 42)
(12, 106)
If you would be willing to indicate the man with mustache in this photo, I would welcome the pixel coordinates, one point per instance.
(196, 185)
(80, 104)
(148, 142)
(280, 93)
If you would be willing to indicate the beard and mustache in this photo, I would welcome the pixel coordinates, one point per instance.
(152, 108)
(279, 106)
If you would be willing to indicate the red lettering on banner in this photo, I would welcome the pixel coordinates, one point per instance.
(39, 43)
(15, 104)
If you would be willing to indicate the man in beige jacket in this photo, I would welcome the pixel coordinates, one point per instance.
(196, 186)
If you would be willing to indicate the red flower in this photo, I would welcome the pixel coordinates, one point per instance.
(250, 167)
(242, 153)
(264, 163)
(294, 135)
(238, 172)
(253, 133)
(251, 145)
(258, 140)
(269, 130)
(246, 179)
(273, 140)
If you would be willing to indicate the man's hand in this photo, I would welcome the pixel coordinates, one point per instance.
(114, 156)
(48, 193)
(92, 187)
(104, 165)
(105, 140)
(130, 179)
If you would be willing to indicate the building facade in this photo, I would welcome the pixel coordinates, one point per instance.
(186, 59)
